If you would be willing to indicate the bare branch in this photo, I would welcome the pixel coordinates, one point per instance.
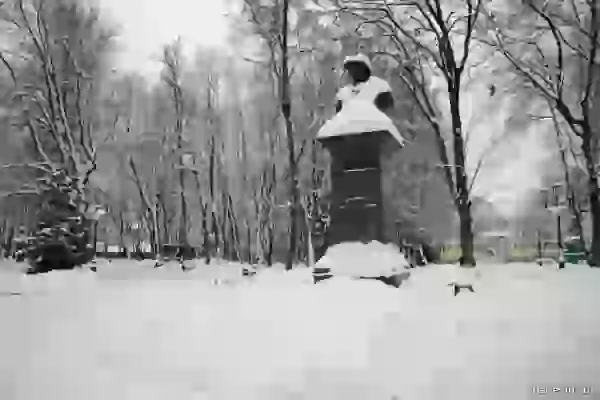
(24, 192)
(5, 62)
(139, 184)
(591, 64)
(84, 129)
(472, 15)
(44, 167)
(482, 158)
(558, 42)
(550, 84)
(37, 142)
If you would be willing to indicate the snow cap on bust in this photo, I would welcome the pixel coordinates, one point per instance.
(358, 58)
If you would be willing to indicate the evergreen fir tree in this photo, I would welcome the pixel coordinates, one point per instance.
(61, 240)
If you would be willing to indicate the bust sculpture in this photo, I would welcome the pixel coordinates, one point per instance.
(363, 85)
(360, 105)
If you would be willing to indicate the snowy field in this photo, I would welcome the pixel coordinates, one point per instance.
(132, 332)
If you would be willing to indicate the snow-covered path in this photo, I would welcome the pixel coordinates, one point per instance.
(134, 333)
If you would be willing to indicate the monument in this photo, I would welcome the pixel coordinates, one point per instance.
(355, 138)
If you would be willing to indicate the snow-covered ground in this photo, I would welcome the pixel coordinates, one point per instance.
(132, 332)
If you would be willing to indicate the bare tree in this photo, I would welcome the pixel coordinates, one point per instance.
(426, 42)
(286, 109)
(171, 76)
(566, 73)
(56, 79)
(72, 142)
(271, 23)
(565, 150)
(149, 210)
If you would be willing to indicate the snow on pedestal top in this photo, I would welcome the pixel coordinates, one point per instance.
(359, 113)
(359, 116)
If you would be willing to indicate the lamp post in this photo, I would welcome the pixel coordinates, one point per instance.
(540, 246)
(556, 206)
(93, 215)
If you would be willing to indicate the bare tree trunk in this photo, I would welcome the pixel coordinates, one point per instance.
(163, 234)
(265, 236)
(150, 206)
(234, 231)
(206, 234)
(5, 239)
(286, 107)
(269, 220)
(269, 254)
(212, 192)
(94, 234)
(157, 242)
(183, 228)
(122, 250)
(204, 215)
(571, 195)
(249, 257)
(586, 147)
(10, 237)
(172, 59)
(224, 230)
(589, 141)
(260, 231)
(462, 201)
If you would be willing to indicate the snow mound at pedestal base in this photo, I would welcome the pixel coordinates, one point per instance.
(364, 259)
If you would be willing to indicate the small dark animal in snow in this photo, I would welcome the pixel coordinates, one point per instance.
(457, 287)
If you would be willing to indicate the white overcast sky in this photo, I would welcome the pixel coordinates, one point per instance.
(146, 25)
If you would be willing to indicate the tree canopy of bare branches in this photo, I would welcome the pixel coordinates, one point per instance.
(55, 80)
(561, 44)
(425, 39)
